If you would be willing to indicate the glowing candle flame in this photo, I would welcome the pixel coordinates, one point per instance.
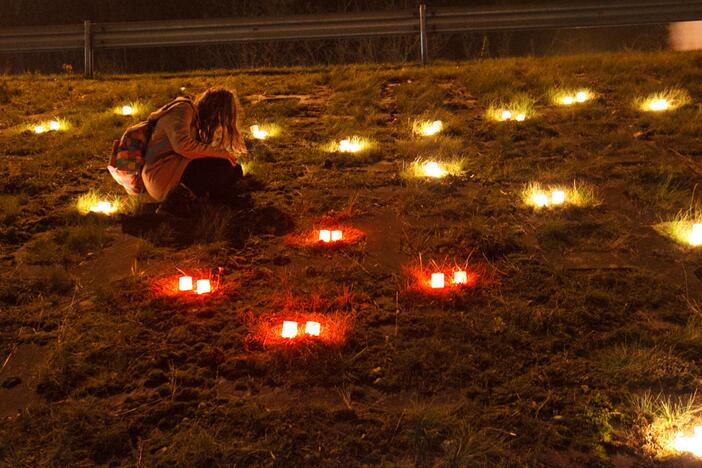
(437, 280)
(568, 100)
(289, 329)
(431, 128)
(460, 277)
(312, 328)
(54, 125)
(258, 132)
(325, 235)
(349, 145)
(185, 283)
(693, 444)
(696, 234)
(506, 115)
(336, 236)
(659, 105)
(581, 96)
(540, 199)
(127, 110)
(432, 169)
(557, 197)
(520, 118)
(203, 286)
(104, 207)
(39, 129)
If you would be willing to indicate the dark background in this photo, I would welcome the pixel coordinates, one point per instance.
(15, 13)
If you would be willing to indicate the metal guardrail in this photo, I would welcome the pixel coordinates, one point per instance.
(97, 36)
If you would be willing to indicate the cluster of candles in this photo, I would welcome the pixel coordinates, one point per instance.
(541, 199)
(658, 105)
(430, 128)
(433, 169)
(507, 115)
(350, 145)
(104, 207)
(258, 133)
(53, 125)
(580, 97)
(202, 286)
(438, 280)
(328, 236)
(126, 110)
(289, 329)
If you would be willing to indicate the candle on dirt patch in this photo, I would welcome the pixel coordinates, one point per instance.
(258, 132)
(437, 280)
(203, 286)
(39, 129)
(520, 117)
(460, 277)
(336, 236)
(696, 234)
(506, 115)
(185, 283)
(289, 329)
(432, 169)
(325, 235)
(691, 444)
(557, 197)
(659, 105)
(313, 328)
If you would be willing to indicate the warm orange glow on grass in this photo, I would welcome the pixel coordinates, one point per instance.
(285, 328)
(183, 285)
(130, 109)
(339, 236)
(569, 97)
(264, 131)
(427, 127)
(328, 236)
(538, 196)
(442, 279)
(685, 228)
(669, 99)
(56, 125)
(518, 110)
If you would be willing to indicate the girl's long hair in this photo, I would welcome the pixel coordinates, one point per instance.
(216, 120)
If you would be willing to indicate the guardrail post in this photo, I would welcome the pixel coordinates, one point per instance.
(423, 52)
(88, 48)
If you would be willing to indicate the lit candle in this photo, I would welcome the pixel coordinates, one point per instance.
(696, 234)
(432, 128)
(127, 110)
(432, 169)
(437, 280)
(185, 283)
(203, 286)
(289, 329)
(54, 125)
(325, 235)
(506, 115)
(460, 277)
(39, 129)
(540, 199)
(336, 236)
(557, 197)
(258, 132)
(659, 105)
(693, 445)
(313, 328)
(568, 100)
(348, 146)
(520, 118)
(102, 207)
(581, 96)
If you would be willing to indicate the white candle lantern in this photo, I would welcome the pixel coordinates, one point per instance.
(432, 169)
(258, 133)
(437, 280)
(325, 235)
(313, 328)
(581, 96)
(568, 100)
(540, 199)
(659, 105)
(520, 118)
(696, 234)
(693, 444)
(506, 115)
(289, 329)
(39, 129)
(336, 236)
(54, 125)
(203, 286)
(185, 283)
(557, 197)
(127, 110)
(460, 277)
(349, 146)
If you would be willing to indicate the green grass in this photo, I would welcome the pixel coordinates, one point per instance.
(580, 314)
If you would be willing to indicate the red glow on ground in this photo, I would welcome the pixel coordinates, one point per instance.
(441, 279)
(327, 237)
(298, 328)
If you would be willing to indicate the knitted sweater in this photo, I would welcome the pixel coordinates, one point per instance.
(171, 148)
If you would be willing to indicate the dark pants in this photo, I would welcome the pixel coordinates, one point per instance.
(211, 177)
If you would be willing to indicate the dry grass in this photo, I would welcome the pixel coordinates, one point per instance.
(520, 108)
(434, 169)
(570, 96)
(668, 99)
(540, 196)
(679, 229)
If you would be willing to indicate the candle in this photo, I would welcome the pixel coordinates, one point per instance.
(693, 444)
(349, 146)
(258, 132)
(581, 96)
(659, 105)
(185, 283)
(432, 169)
(336, 236)
(325, 235)
(39, 129)
(557, 197)
(520, 118)
(431, 128)
(203, 286)
(289, 329)
(460, 277)
(54, 125)
(506, 115)
(437, 280)
(696, 234)
(540, 199)
(568, 100)
(313, 328)
(127, 110)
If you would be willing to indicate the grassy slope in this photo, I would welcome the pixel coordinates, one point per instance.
(588, 314)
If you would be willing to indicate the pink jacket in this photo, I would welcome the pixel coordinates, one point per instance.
(171, 148)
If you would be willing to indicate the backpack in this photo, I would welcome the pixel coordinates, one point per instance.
(129, 152)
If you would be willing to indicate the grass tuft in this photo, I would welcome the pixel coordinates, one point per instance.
(680, 228)
(570, 96)
(89, 203)
(668, 99)
(579, 194)
(422, 168)
(521, 107)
